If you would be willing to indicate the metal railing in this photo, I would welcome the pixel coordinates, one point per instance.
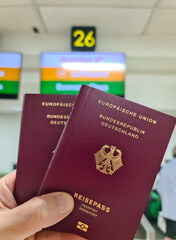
(150, 231)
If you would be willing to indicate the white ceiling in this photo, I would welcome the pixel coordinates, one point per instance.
(112, 17)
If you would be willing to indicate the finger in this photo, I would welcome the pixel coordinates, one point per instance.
(31, 237)
(7, 200)
(32, 216)
(44, 235)
(9, 179)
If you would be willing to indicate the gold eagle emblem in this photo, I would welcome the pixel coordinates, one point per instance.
(108, 159)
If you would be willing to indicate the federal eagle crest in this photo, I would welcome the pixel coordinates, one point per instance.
(108, 159)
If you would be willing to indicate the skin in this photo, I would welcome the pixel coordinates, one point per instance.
(25, 222)
(167, 238)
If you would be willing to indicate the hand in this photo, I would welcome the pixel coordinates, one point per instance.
(27, 220)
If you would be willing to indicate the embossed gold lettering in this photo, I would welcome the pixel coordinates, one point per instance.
(57, 104)
(126, 111)
(92, 203)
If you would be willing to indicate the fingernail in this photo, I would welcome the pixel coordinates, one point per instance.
(66, 203)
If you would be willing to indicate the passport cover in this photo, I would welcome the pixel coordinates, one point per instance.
(43, 119)
(107, 158)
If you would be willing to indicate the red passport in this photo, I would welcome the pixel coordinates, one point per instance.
(42, 122)
(107, 158)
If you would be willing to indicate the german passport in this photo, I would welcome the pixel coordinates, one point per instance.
(43, 119)
(107, 158)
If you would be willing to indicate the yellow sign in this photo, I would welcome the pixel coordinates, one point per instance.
(83, 40)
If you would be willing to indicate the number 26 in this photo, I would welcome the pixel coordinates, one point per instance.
(82, 40)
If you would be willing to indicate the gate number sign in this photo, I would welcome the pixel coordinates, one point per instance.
(83, 38)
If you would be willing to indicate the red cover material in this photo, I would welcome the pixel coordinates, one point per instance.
(42, 122)
(107, 158)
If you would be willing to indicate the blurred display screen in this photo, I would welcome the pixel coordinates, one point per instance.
(10, 66)
(64, 73)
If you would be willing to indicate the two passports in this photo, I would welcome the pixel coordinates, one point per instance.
(106, 156)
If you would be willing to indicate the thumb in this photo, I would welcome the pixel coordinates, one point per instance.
(29, 218)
